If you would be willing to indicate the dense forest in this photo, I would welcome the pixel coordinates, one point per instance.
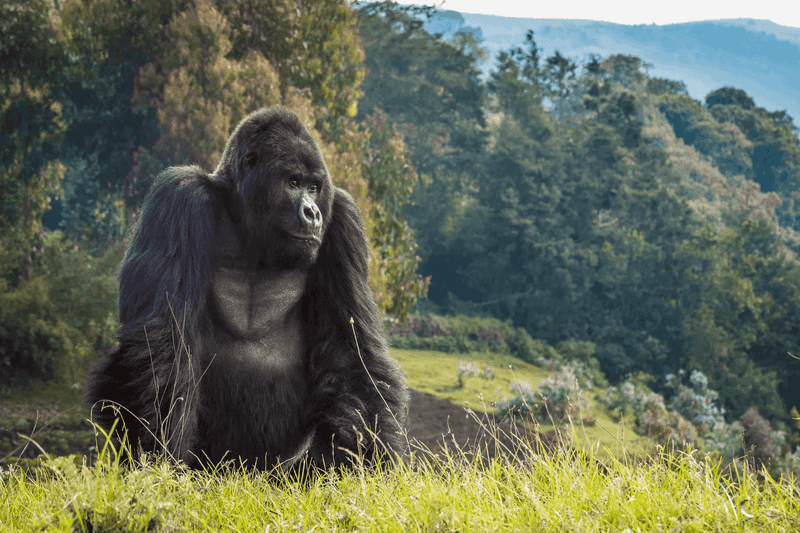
(595, 203)
(589, 203)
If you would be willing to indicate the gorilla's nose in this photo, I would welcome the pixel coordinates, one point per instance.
(310, 215)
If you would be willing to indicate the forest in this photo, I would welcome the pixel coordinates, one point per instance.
(589, 204)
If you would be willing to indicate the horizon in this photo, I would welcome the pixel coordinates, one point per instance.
(628, 12)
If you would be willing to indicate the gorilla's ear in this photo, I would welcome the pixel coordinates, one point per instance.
(170, 251)
(338, 281)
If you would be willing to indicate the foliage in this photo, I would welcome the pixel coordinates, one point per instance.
(532, 350)
(695, 401)
(663, 426)
(440, 344)
(758, 436)
(52, 324)
(427, 326)
(199, 95)
(725, 439)
(775, 153)
(196, 69)
(32, 60)
(466, 334)
(583, 224)
(653, 419)
(431, 91)
(391, 181)
(557, 396)
(738, 295)
(468, 369)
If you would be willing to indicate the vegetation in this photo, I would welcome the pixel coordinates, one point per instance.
(585, 488)
(630, 252)
(597, 204)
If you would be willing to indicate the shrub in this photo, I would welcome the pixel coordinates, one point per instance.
(758, 435)
(622, 400)
(492, 336)
(725, 439)
(533, 351)
(430, 326)
(695, 401)
(466, 370)
(652, 417)
(556, 397)
(395, 328)
(661, 425)
(52, 324)
(522, 402)
(577, 350)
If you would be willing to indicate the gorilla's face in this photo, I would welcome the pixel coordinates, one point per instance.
(285, 192)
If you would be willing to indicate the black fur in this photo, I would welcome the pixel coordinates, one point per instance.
(177, 376)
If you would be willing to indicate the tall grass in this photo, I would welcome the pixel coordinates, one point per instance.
(567, 490)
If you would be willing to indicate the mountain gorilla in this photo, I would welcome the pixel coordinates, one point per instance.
(235, 305)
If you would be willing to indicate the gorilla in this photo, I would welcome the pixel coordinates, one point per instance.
(238, 295)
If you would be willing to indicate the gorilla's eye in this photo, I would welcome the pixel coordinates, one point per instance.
(250, 161)
(294, 182)
(313, 187)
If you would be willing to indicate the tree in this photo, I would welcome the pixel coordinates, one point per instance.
(775, 155)
(431, 91)
(392, 178)
(31, 64)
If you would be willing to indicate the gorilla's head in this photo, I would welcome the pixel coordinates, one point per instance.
(279, 189)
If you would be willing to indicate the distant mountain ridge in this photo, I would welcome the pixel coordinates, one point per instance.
(758, 56)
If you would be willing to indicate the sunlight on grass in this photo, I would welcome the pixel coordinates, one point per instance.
(545, 493)
(584, 488)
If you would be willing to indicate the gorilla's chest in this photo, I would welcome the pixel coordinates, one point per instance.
(256, 371)
(259, 315)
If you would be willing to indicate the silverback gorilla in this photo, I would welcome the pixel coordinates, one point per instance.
(235, 304)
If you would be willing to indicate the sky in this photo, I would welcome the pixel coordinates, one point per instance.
(629, 11)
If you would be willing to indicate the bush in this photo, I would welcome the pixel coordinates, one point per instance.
(430, 326)
(493, 337)
(758, 436)
(462, 334)
(468, 369)
(557, 396)
(652, 417)
(695, 401)
(577, 350)
(536, 352)
(661, 425)
(53, 324)
(724, 439)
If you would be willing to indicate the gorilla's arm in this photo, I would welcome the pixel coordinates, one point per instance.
(345, 395)
(163, 282)
(170, 250)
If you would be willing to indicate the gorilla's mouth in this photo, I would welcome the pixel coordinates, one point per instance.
(306, 238)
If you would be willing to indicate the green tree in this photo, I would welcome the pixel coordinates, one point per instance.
(31, 63)
(731, 317)
(431, 91)
(392, 178)
(775, 152)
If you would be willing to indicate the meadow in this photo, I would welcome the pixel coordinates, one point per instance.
(609, 479)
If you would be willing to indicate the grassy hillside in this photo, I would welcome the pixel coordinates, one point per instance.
(437, 373)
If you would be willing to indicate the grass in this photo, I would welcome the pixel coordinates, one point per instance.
(583, 490)
(436, 373)
(556, 493)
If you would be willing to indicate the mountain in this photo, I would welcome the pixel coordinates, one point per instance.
(758, 56)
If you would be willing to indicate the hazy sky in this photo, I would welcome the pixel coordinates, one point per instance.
(630, 11)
